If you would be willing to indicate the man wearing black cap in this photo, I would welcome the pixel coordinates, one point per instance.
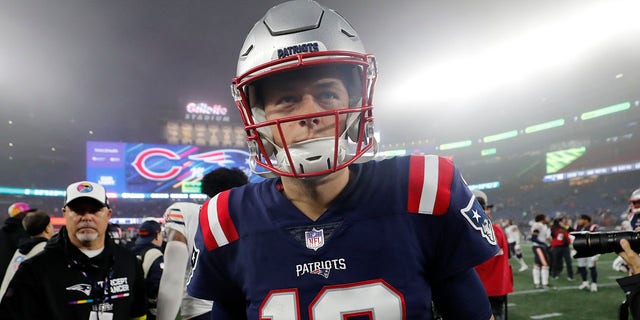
(148, 250)
(81, 274)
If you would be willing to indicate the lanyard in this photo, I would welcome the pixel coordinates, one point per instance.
(100, 292)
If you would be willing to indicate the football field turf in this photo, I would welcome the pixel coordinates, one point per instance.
(563, 300)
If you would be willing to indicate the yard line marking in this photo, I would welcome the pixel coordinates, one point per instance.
(546, 315)
(600, 285)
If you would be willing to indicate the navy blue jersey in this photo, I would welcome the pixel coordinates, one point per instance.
(403, 232)
(635, 221)
(590, 228)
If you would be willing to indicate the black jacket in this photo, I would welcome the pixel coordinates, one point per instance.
(153, 276)
(10, 235)
(63, 283)
(27, 244)
(631, 287)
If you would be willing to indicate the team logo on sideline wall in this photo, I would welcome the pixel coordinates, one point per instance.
(314, 239)
(479, 221)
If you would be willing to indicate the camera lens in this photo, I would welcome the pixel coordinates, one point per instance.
(588, 244)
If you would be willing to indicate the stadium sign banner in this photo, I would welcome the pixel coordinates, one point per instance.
(156, 168)
(202, 111)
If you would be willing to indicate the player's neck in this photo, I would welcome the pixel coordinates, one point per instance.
(313, 196)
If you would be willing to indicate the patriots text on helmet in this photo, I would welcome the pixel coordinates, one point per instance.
(300, 48)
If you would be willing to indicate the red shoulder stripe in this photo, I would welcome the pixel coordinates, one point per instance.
(445, 177)
(215, 222)
(416, 178)
(429, 186)
(209, 241)
(224, 218)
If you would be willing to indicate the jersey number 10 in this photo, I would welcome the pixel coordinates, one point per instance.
(375, 299)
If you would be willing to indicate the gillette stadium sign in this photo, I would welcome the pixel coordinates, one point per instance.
(201, 111)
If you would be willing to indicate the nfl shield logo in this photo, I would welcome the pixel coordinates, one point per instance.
(314, 239)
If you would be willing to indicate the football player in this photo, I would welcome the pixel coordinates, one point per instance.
(330, 238)
(584, 224)
(634, 209)
(513, 234)
(181, 223)
(540, 235)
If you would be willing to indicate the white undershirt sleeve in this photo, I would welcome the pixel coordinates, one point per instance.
(176, 258)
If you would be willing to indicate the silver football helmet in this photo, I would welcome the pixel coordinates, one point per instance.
(297, 35)
(635, 197)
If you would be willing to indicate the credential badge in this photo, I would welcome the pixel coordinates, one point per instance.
(314, 239)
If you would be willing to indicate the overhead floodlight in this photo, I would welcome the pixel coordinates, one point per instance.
(544, 126)
(500, 136)
(455, 145)
(393, 153)
(605, 111)
(560, 41)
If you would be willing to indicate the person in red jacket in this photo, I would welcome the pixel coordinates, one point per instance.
(496, 273)
(560, 251)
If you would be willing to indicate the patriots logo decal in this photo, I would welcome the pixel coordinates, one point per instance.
(479, 221)
(321, 272)
(82, 287)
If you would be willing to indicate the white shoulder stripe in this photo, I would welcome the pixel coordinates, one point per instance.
(429, 185)
(214, 223)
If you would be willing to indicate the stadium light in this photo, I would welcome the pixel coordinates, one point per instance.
(544, 126)
(561, 41)
(500, 136)
(605, 111)
(455, 145)
(393, 153)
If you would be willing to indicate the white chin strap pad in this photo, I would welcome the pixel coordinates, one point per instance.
(312, 155)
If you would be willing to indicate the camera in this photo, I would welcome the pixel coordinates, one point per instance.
(588, 244)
